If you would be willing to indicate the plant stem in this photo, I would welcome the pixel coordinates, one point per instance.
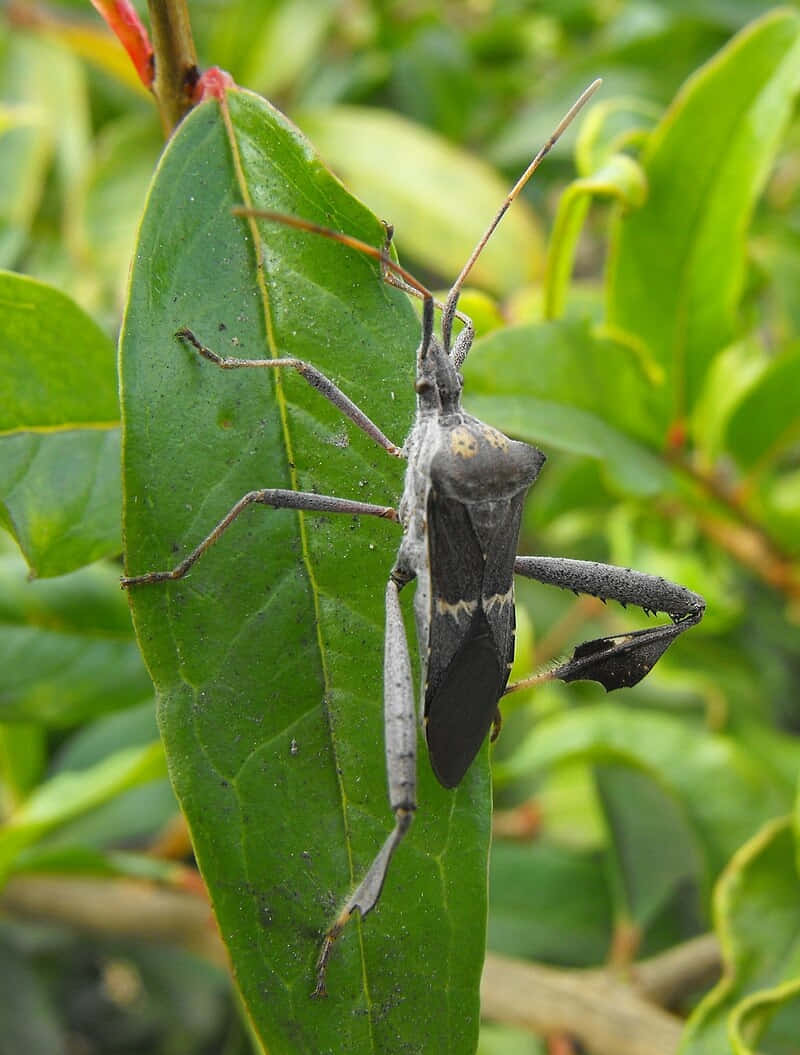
(175, 60)
(593, 1006)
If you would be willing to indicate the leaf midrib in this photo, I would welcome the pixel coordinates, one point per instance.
(281, 401)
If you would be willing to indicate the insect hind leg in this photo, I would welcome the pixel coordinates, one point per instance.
(400, 731)
(619, 660)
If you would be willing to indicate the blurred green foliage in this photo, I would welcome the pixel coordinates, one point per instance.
(637, 316)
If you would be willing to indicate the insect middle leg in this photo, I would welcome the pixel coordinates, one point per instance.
(277, 499)
(399, 715)
(310, 374)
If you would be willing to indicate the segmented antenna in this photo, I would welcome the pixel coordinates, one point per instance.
(406, 279)
(452, 297)
(336, 236)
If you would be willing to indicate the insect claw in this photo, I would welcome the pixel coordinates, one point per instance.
(320, 989)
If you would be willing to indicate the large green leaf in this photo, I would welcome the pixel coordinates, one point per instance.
(59, 437)
(267, 658)
(677, 264)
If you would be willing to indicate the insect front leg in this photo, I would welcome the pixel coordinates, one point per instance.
(277, 499)
(400, 732)
(311, 375)
(620, 660)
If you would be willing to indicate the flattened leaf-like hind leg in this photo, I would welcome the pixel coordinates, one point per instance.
(620, 660)
(400, 728)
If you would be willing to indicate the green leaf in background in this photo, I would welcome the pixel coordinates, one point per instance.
(59, 437)
(619, 178)
(73, 792)
(46, 85)
(67, 651)
(766, 421)
(116, 185)
(30, 1021)
(531, 917)
(439, 199)
(655, 855)
(26, 142)
(612, 125)
(723, 791)
(757, 910)
(508, 1040)
(22, 760)
(267, 657)
(267, 46)
(136, 816)
(677, 265)
(729, 379)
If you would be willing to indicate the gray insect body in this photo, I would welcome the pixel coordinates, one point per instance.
(461, 507)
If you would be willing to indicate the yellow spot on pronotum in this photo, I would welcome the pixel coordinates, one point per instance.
(463, 442)
(494, 438)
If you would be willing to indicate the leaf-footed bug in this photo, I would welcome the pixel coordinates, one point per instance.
(460, 514)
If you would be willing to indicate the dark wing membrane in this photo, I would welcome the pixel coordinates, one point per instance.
(456, 578)
(470, 636)
(459, 715)
(620, 661)
(498, 523)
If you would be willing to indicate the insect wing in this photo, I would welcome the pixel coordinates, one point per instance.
(470, 643)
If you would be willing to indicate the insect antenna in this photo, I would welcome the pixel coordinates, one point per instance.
(452, 298)
(404, 279)
(397, 275)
